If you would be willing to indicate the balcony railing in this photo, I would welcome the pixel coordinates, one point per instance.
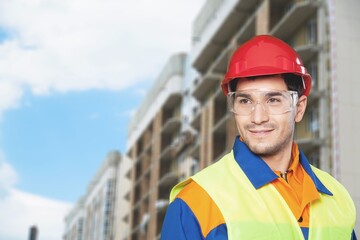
(206, 84)
(207, 13)
(294, 17)
(175, 66)
(171, 125)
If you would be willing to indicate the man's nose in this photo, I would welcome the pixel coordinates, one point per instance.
(259, 114)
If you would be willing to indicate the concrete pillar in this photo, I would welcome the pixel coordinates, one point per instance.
(263, 18)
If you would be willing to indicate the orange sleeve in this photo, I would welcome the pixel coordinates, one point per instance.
(203, 207)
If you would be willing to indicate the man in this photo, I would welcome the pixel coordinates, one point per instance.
(265, 187)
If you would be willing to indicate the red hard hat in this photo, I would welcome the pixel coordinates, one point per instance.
(265, 55)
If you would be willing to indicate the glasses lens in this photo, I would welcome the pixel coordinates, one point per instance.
(273, 102)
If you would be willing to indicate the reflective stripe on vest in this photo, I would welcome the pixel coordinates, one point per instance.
(262, 213)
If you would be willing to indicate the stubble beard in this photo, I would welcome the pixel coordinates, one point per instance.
(268, 147)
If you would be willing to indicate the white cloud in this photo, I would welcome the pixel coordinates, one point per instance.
(10, 94)
(74, 45)
(20, 210)
(66, 45)
(8, 176)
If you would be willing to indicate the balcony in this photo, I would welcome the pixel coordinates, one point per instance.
(214, 27)
(167, 154)
(220, 126)
(306, 144)
(219, 135)
(166, 92)
(173, 100)
(220, 63)
(184, 139)
(144, 197)
(221, 107)
(195, 117)
(174, 67)
(195, 151)
(315, 96)
(171, 125)
(142, 176)
(294, 18)
(247, 30)
(135, 231)
(161, 204)
(168, 180)
(308, 51)
(205, 85)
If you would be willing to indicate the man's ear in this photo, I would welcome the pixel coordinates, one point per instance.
(300, 108)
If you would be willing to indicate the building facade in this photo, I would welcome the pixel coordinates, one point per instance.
(190, 127)
(152, 145)
(100, 213)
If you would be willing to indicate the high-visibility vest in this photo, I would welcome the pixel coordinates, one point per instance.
(262, 213)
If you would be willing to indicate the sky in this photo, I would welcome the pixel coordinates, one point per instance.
(72, 73)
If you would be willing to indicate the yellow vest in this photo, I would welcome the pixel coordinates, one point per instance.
(262, 213)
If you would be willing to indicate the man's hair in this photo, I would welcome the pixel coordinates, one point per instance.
(292, 81)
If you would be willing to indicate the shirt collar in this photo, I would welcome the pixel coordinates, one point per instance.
(259, 173)
(306, 165)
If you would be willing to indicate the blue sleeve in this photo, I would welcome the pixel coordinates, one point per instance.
(180, 223)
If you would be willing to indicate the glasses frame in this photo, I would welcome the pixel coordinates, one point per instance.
(293, 95)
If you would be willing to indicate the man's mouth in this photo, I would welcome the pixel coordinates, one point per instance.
(260, 132)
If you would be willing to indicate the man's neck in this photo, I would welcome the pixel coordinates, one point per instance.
(280, 161)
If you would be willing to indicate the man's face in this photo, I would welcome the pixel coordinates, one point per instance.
(267, 134)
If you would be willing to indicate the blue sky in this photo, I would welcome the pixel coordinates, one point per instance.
(56, 142)
(71, 75)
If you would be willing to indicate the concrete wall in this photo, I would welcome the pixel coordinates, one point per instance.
(345, 40)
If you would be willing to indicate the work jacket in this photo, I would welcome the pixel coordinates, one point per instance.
(255, 210)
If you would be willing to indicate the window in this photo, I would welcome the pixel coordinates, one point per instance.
(80, 228)
(194, 167)
(314, 157)
(312, 31)
(313, 125)
(313, 70)
(288, 7)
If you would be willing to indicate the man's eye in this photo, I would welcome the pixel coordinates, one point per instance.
(243, 101)
(274, 100)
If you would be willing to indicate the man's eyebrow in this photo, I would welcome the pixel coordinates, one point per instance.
(244, 95)
(273, 94)
(268, 94)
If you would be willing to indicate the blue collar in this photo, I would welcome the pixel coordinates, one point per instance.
(259, 173)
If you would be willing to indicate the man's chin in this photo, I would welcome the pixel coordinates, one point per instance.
(261, 149)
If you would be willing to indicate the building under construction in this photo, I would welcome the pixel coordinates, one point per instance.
(183, 124)
(101, 213)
